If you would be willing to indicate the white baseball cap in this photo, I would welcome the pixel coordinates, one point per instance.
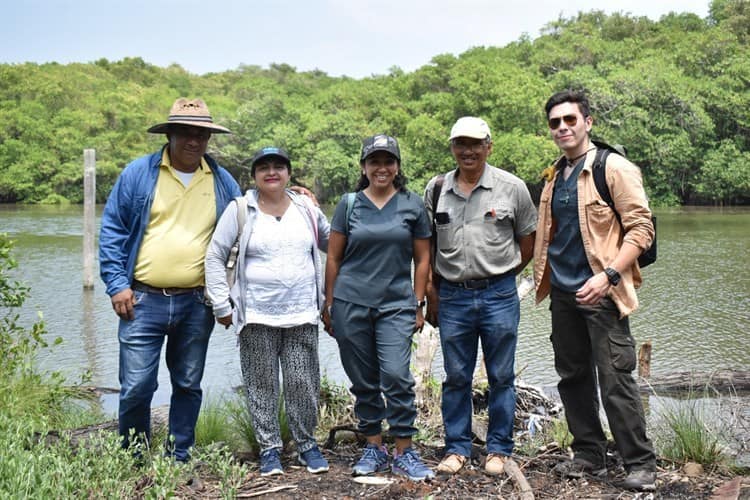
(470, 126)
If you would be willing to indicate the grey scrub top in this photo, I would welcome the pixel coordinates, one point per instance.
(376, 268)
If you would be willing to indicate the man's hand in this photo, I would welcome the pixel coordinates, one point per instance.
(225, 320)
(594, 290)
(123, 302)
(306, 192)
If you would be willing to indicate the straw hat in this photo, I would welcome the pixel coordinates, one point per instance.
(189, 112)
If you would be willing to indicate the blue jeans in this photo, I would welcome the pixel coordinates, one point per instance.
(375, 349)
(466, 317)
(187, 322)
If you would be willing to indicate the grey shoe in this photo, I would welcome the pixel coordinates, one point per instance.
(374, 459)
(640, 480)
(578, 467)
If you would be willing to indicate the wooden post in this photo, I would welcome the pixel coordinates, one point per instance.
(89, 216)
(644, 360)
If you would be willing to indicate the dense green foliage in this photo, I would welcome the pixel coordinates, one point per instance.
(676, 92)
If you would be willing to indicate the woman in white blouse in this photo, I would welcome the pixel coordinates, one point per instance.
(274, 304)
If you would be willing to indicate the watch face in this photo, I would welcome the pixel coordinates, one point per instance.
(612, 275)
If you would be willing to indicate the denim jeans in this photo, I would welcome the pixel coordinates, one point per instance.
(375, 349)
(186, 321)
(489, 315)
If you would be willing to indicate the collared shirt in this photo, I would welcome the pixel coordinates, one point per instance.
(477, 236)
(180, 225)
(601, 233)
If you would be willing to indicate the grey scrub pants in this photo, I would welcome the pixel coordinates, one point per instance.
(375, 349)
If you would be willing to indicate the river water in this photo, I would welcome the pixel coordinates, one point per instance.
(695, 302)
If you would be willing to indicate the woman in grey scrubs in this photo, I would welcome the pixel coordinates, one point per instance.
(372, 308)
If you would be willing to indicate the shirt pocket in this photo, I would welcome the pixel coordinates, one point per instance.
(445, 233)
(599, 218)
(498, 225)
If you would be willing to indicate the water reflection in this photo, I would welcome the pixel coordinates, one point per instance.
(695, 302)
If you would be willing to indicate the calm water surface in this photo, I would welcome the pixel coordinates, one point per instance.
(695, 302)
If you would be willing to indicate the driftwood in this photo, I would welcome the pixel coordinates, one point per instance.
(644, 360)
(159, 419)
(427, 341)
(698, 383)
(514, 472)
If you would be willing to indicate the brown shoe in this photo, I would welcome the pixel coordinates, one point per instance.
(495, 464)
(451, 463)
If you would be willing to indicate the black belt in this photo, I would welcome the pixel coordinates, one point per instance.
(479, 284)
(142, 287)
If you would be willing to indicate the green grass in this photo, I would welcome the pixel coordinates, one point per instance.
(214, 424)
(685, 435)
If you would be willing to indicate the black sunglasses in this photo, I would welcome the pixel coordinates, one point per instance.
(570, 121)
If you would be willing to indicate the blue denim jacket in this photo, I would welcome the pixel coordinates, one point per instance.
(126, 216)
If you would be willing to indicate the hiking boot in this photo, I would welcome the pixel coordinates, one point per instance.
(409, 465)
(495, 464)
(270, 463)
(451, 463)
(374, 459)
(640, 480)
(577, 467)
(314, 460)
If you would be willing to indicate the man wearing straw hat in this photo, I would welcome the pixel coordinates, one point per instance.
(155, 229)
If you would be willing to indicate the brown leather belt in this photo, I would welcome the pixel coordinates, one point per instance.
(143, 287)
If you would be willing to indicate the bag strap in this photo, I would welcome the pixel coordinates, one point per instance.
(436, 190)
(241, 215)
(599, 170)
(312, 217)
(349, 208)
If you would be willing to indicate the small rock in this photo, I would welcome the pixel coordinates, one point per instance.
(692, 469)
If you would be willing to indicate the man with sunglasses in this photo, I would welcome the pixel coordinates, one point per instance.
(586, 261)
(155, 230)
(484, 225)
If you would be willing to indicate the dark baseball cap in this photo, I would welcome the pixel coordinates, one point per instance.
(270, 151)
(380, 142)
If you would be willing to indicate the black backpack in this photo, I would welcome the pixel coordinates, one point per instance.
(648, 256)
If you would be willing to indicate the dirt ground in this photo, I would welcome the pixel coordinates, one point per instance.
(471, 482)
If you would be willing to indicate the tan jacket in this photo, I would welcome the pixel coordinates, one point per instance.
(602, 235)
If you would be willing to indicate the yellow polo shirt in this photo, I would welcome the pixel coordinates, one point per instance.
(179, 229)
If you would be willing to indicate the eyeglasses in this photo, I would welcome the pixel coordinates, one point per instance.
(461, 145)
(570, 121)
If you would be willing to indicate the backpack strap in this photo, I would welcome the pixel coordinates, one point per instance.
(312, 217)
(436, 190)
(600, 178)
(349, 208)
(241, 214)
(241, 202)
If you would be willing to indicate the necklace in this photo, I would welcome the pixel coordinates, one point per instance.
(572, 162)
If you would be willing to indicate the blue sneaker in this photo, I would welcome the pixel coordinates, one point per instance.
(314, 460)
(374, 459)
(409, 465)
(270, 463)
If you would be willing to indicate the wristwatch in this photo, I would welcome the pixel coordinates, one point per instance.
(612, 275)
(421, 303)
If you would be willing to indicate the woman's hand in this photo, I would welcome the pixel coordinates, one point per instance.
(420, 320)
(325, 315)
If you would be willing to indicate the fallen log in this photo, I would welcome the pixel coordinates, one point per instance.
(159, 419)
(697, 383)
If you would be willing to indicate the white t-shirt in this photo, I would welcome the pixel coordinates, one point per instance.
(280, 273)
